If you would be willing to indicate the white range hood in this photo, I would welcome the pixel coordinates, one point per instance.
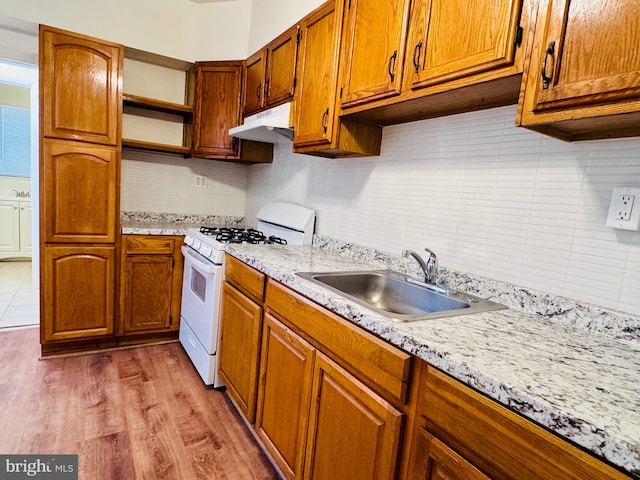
(270, 126)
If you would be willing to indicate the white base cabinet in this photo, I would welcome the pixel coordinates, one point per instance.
(15, 234)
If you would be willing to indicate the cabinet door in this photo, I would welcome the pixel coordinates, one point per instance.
(433, 460)
(253, 86)
(81, 80)
(373, 49)
(147, 290)
(239, 348)
(353, 433)
(10, 221)
(286, 370)
(318, 72)
(451, 39)
(25, 227)
(282, 54)
(216, 109)
(77, 284)
(79, 192)
(589, 52)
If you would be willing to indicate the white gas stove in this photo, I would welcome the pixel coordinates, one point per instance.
(277, 223)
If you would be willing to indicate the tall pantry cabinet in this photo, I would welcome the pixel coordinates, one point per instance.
(80, 131)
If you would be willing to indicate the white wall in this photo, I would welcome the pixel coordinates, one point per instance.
(174, 28)
(222, 30)
(13, 183)
(18, 40)
(281, 14)
(165, 184)
(487, 197)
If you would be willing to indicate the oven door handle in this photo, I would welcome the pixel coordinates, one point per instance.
(197, 262)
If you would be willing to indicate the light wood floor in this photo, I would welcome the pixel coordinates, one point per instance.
(139, 413)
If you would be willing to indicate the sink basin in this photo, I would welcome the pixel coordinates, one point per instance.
(397, 296)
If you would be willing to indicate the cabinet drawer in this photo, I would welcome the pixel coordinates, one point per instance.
(499, 442)
(382, 367)
(247, 279)
(148, 245)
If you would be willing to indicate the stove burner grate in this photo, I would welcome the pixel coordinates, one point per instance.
(241, 235)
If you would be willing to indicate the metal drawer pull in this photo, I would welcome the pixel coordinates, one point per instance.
(325, 115)
(416, 56)
(546, 80)
(392, 63)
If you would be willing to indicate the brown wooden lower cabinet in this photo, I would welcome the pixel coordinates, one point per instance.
(151, 284)
(464, 435)
(284, 393)
(239, 348)
(346, 432)
(436, 461)
(78, 292)
(332, 402)
(79, 296)
(354, 434)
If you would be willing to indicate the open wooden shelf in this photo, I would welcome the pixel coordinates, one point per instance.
(157, 105)
(156, 147)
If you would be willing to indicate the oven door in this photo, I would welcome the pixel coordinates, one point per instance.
(201, 292)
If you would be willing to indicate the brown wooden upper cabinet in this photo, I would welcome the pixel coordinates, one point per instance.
(318, 128)
(82, 87)
(373, 49)
(216, 110)
(270, 73)
(316, 93)
(253, 92)
(584, 70)
(458, 56)
(451, 39)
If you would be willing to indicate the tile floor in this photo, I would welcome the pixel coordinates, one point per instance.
(19, 301)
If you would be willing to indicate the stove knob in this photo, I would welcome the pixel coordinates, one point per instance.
(197, 244)
(206, 251)
(188, 240)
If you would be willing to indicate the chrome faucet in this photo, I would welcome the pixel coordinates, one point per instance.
(430, 268)
(22, 193)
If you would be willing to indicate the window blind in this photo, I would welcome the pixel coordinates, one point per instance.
(15, 141)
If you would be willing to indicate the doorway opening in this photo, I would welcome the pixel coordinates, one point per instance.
(19, 274)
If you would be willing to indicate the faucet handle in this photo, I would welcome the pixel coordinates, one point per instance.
(432, 266)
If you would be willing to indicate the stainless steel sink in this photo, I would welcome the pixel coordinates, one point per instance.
(397, 296)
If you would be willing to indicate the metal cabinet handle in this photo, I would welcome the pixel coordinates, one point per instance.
(325, 115)
(266, 88)
(391, 64)
(416, 56)
(546, 80)
(258, 90)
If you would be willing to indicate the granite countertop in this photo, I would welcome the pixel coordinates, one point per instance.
(557, 369)
(12, 198)
(143, 223)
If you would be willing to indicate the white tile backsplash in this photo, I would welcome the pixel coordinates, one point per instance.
(487, 197)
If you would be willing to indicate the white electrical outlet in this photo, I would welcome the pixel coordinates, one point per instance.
(624, 210)
(201, 181)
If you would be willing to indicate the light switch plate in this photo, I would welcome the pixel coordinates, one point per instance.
(624, 210)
